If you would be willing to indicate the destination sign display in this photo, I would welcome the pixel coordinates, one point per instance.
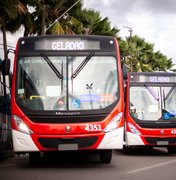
(153, 78)
(159, 79)
(67, 43)
(58, 45)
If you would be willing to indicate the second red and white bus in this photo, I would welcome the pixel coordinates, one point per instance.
(151, 110)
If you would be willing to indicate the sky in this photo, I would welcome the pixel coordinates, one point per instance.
(153, 20)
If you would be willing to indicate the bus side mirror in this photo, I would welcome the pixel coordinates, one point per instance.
(124, 68)
(124, 71)
(6, 66)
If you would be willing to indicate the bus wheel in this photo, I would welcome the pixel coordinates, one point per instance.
(171, 149)
(126, 149)
(34, 157)
(105, 156)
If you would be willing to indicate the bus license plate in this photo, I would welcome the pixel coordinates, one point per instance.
(67, 147)
(162, 142)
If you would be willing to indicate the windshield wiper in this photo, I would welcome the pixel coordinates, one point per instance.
(81, 66)
(152, 92)
(169, 93)
(51, 65)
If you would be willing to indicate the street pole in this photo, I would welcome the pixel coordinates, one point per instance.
(131, 32)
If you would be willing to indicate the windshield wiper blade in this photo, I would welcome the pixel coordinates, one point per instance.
(45, 57)
(152, 92)
(169, 93)
(81, 66)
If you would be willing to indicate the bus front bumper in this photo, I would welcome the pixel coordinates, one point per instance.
(32, 143)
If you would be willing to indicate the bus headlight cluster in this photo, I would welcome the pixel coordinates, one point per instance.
(22, 127)
(113, 123)
(133, 129)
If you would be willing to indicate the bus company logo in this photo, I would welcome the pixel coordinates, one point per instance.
(68, 129)
(67, 113)
(173, 131)
(162, 131)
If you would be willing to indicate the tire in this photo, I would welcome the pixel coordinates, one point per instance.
(34, 157)
(105, 156)
(126, 149)
(171, 149)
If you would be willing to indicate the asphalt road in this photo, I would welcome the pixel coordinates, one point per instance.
(138, 164)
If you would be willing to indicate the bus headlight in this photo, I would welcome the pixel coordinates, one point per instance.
(133, 129)
(22, 127)
(113, 123)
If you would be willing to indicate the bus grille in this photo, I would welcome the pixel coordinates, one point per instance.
(67, 119)
(53, 143)
(155, 140)
(155, 125)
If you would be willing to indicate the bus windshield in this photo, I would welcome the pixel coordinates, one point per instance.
(153, 103)
(47, 83)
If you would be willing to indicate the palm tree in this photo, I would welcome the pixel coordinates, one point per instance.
(161, 63)
(49, 11)
(44, 13)
(89, 19)
(76, 21)
(94, 24)
(9, 10)
(140, 56)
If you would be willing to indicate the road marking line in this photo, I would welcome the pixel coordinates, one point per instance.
(150, 167)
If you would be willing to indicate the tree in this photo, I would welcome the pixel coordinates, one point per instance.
(139, 56)
(161, 62)
(37, 16)
(48, 11)
(92, 23)
(9, 9)
(41, 14)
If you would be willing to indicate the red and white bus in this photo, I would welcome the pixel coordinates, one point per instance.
(67, 94)
(151, 110)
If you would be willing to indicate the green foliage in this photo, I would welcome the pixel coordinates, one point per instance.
(94, 24)
(38, 16)
(139, 56)
(9, 11)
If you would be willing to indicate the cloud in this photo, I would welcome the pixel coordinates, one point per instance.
(161, 6)
(153, 20)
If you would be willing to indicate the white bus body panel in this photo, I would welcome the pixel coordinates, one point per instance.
(133, 140)
(113, 139)
(23, 142)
